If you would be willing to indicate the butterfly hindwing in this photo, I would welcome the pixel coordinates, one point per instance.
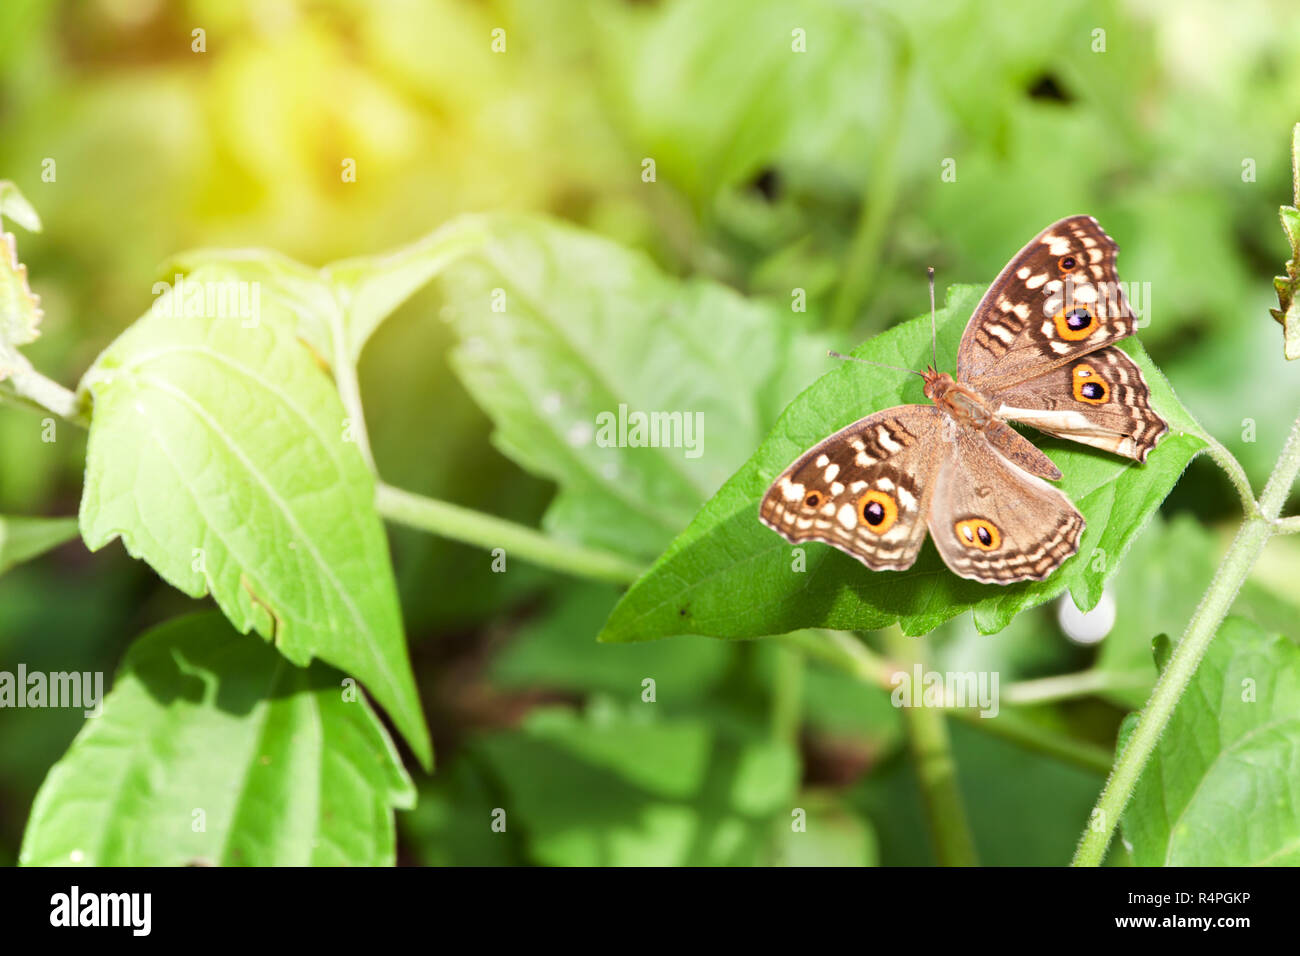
(1060, 297)
(995, 523)
(1099, 399)
(864, 490)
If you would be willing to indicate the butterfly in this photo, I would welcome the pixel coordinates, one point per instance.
(1039, 350)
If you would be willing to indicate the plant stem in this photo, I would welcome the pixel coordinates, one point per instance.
(936, 771)
(486, 531)
(30, 388)
(349, 389)
(1045, 690)
(1014, 728)
(851, 656)
(1237, 563)
(787, 694)
(1232, 468)
(843, 651)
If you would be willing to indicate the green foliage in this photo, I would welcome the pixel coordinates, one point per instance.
(1220, 788)
(20, 309)
(998, 783)
(218, 454)
(781, 170)
(729, 576)
(22, 539)
(661, 792)
(545, 351)
(213, 750)
(1288, 311)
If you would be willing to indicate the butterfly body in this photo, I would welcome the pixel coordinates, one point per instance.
(1038, 350)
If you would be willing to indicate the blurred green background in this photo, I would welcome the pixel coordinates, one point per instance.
(776, 170)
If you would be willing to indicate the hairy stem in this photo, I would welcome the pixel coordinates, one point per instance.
(28, 387)
(1237, 563)
(517, 541)
(1232, 468)
(1287, 525)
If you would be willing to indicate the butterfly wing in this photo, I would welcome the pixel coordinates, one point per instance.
(993, 522)
(1059, 298)
(865, 489)
(1100, 399)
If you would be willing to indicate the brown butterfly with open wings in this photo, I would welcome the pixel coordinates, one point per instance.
(1038, 350)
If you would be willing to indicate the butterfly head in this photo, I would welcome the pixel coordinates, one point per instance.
(937, 384)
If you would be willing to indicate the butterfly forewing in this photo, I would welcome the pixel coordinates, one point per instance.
(1060, 297)
(864, 490)
(1099, 399)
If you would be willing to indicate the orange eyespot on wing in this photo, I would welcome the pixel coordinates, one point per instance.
(1088, 386)
(1075, 323)
(1067, 263)
(978, 533)
(877, 511)
(812, 500)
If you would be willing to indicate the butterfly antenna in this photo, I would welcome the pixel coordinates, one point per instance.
(854, 358)
(934, 331)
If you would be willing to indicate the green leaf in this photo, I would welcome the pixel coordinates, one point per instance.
(727, 575)
(451, 822)
(585, 333)
(723, 107)
(371, 288)
(20, 308)
(22, 539)
(14, 205)
(556, 650)
(295, 292)
(1288, 311)
(834, 834)
(1233, 742)
(625, 791)
(349, 298)
(1161, 648)
(284, 770)
(217, 454)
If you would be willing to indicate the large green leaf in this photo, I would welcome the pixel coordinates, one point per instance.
(212, 749)
(585, 326)
(348, 299)
(22, 539)
(217, 452)
(294, 291)
(727, 575)
(1223, 785)
(621, 791)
